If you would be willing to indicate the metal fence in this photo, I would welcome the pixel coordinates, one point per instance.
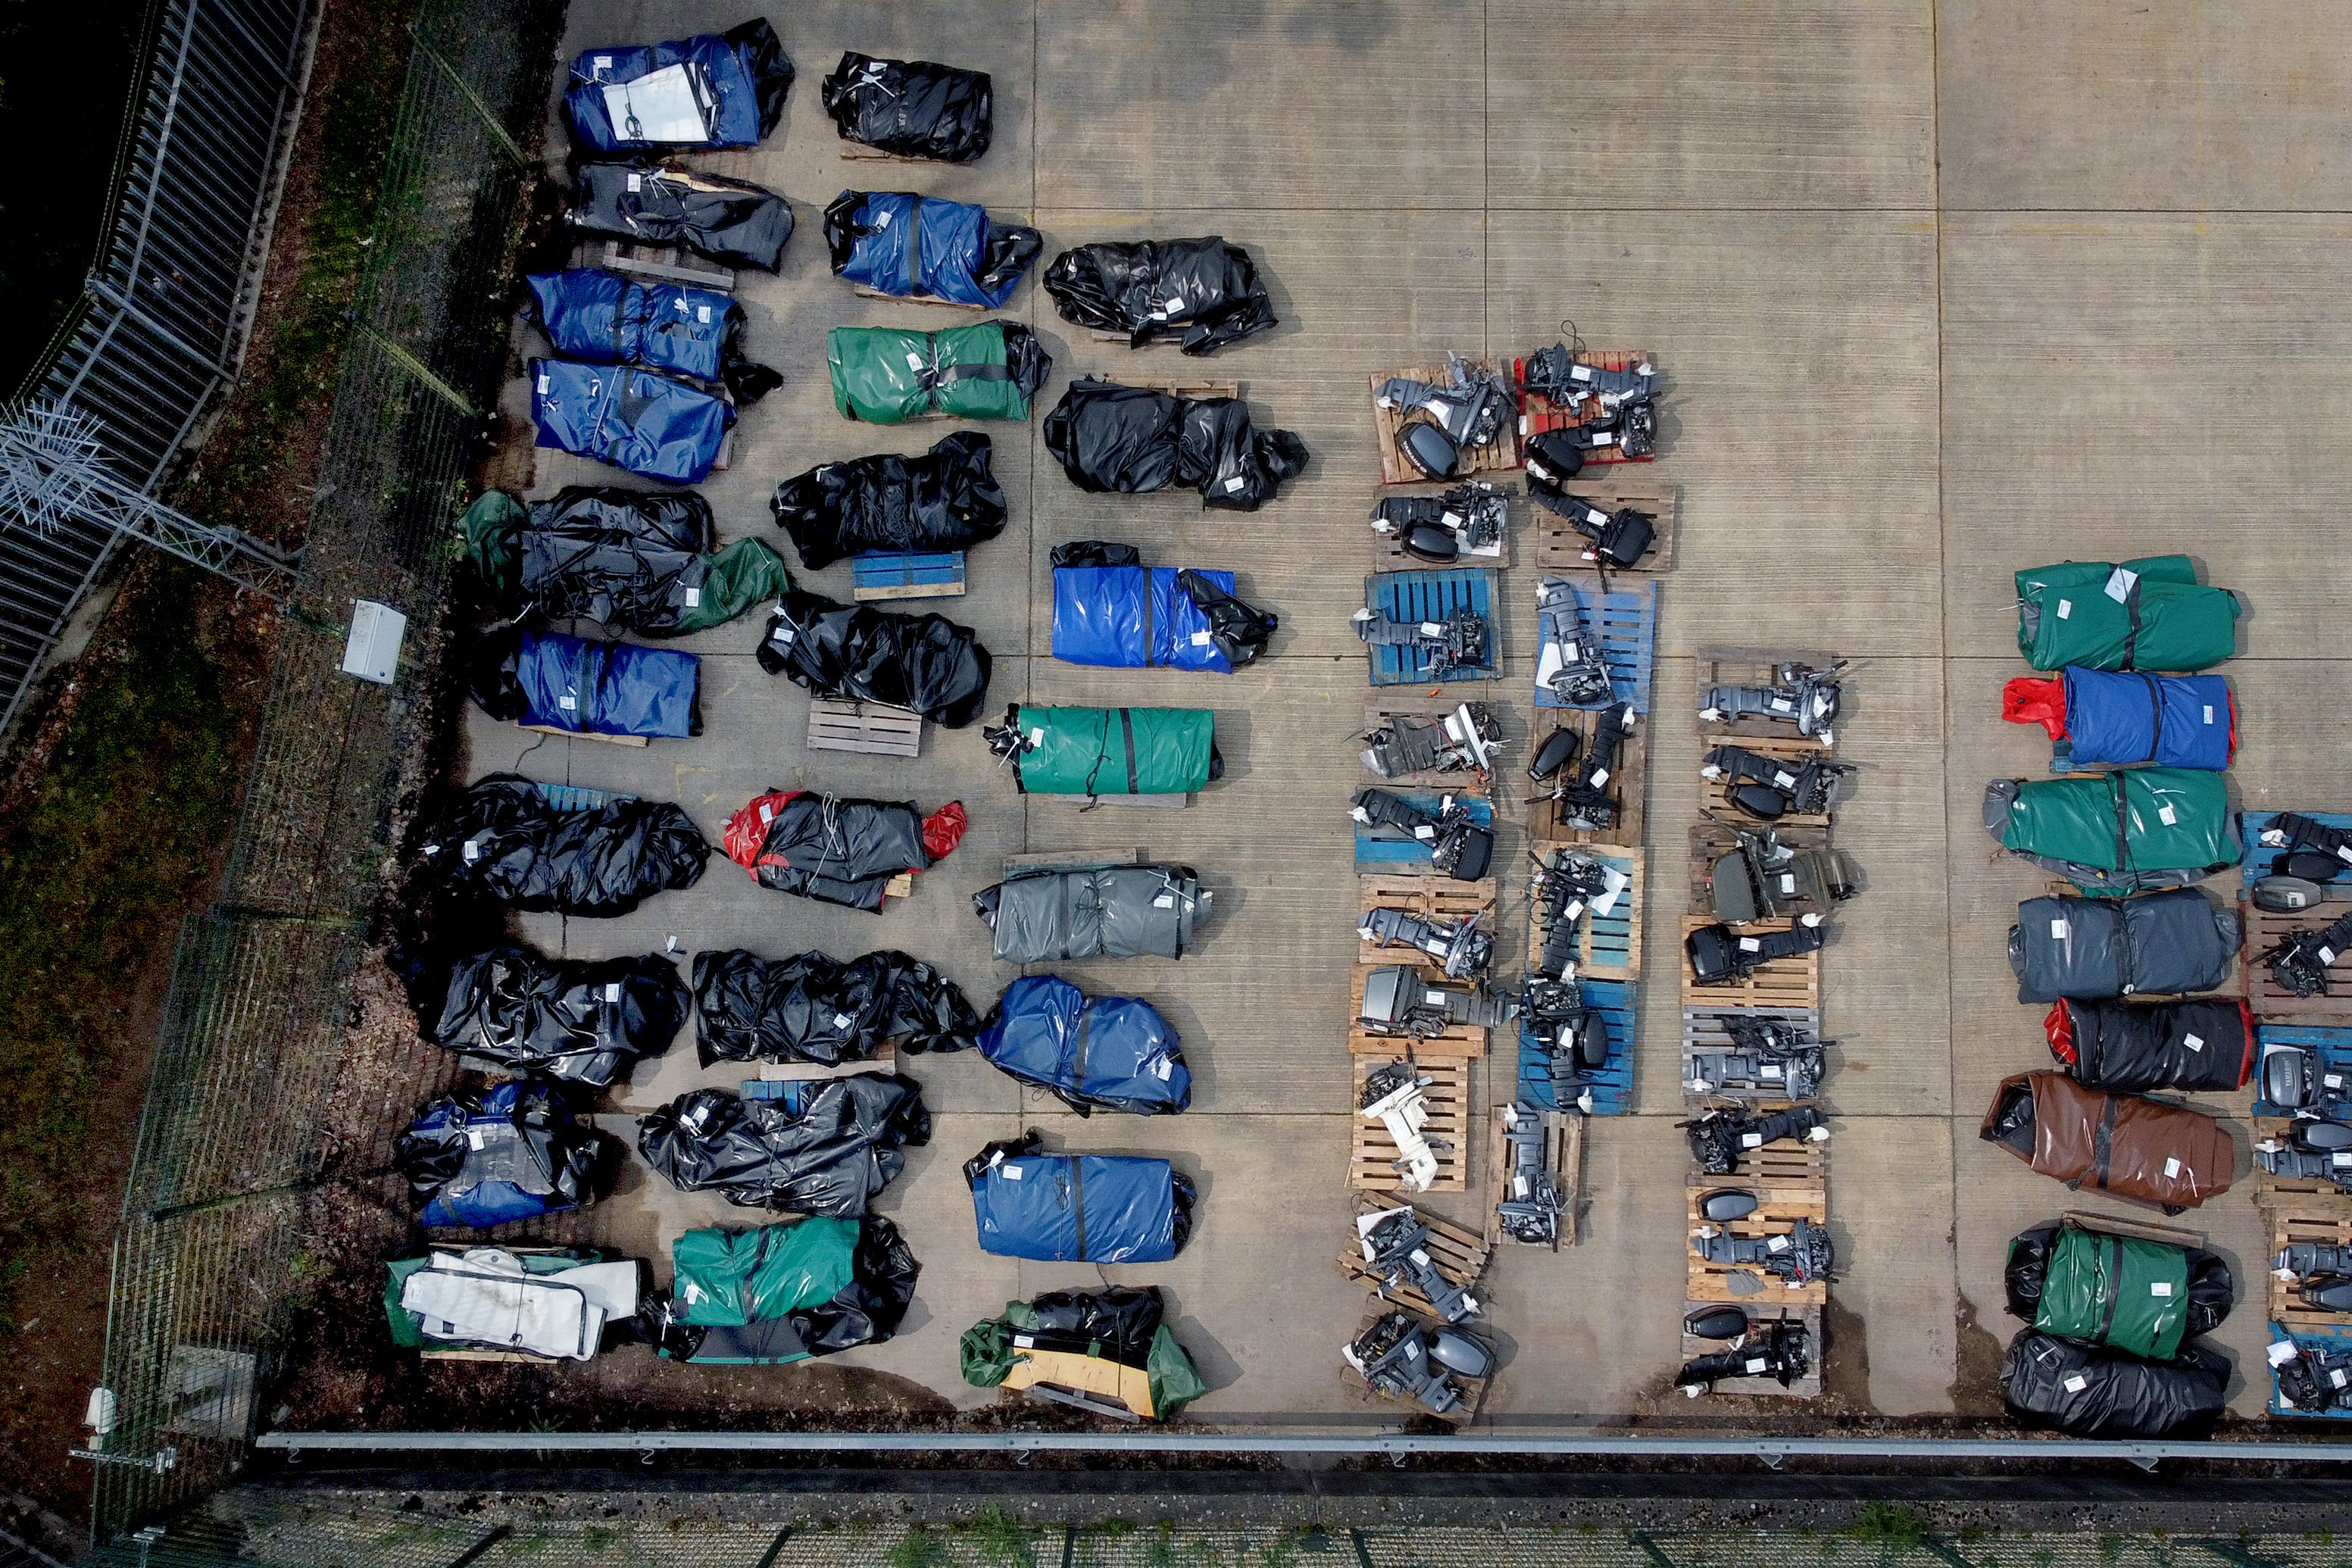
(163, 315)
(204, 1255)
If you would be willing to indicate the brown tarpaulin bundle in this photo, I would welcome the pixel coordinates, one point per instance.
(2144, 1150)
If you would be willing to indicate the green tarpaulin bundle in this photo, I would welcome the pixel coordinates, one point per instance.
(775, 1293)
(2105, 1289)
(1108, 750)
(1105, 1347)
(2118, 832)
(2148, 613)
(885, 375)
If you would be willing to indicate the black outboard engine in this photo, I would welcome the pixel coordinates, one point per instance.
(1580, 794)
(1718, 1138)
(1463, 742)
(1777, 1350)
(1768, 789)
(1405, 1360)
(2301, 962)
(1398, 1002)
(2310, 1151)
(1396, 1248)
(1720, 955)
(1457, 642)
(1572, 1037)
(1768, 1055)
(1458, 847)
(1802, 1257)
(1563, 888)
(1467, 520)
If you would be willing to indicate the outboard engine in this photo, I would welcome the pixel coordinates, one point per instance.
(1458, 847)
(1462, 949)
(1718, 1138)
(1465, 741)
(1398, 1002)
(1800, 696)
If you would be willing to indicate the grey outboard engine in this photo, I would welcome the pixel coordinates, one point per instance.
(1457, 642)
(1530, 1207)
(1802, 1258)
(1396, 1247)
(1467, 520)
(1405, 1360)
(1569, 663)
(1800, 696)
(1398, 1002)
(1562, 888)
(1463, 742)
(1470, 408)
(1762, 877)
(1775, 1056)
(1463, 949)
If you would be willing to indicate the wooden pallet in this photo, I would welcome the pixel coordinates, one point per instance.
(2255, 863)
(1790, 1170)
(907, 574)
(1538, 414)
(1460, 1042)
(1714, 796)
(1609, 947)
(1372, 1164)
(883, 1060)
(1473, 1390)
(1777, 1215)
(2301, 1195)
(840, 724)
(1499, 456)
(1558, 547)
(1426, 596)
(867, 292)
(1702, 1033)
(1631, 777)
(1195, 389)
(1418, 706)
(670, 263)
(638, 740)
(2265, 930)
(1747, 667)
(1389, 551)
(1711, 840)
(1806, 1388)
(1459, 1254)
(2313, 1223)
(1428, 897)
(1564, 1148)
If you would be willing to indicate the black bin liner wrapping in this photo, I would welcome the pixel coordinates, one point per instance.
(1204, 292)
(2195, 1043)
(945, 499)
(828, 1152)
(730, 222)
(812, 1007)
(1132, 441)
(917, 108)
(584, 1020)
(926, 663)
(504, 840)
(2088, 1392)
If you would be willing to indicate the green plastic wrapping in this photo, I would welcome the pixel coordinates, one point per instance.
(885, 375)
(2158, 818)
(488, 528)
(742, 574)
(2079, 613)
(1115, 750)
(2118, 1290)
(987, 1353)
(730, 1278)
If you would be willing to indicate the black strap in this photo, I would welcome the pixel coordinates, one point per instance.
(1078, 1055)
(2123, 810)
(1078, 1204)
(2155, 717)
(620, 315)
(1150, 606)
(915, 246)
(966, 372)
(2103, 1145)
(2115, 1272)
(1127, 729)
(2131, 638)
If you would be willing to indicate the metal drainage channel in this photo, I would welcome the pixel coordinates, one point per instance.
(1770, 1451)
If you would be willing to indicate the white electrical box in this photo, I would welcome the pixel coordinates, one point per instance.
(373, 651)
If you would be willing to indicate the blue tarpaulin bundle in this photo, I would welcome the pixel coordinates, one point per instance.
(2124, 718)
(1110, 610)
(631, 418)
(603, 317)
(590, 687)
(710, 90)
(895, 242)
(514, 1151)
(1077, 1208)
(1115, 1053)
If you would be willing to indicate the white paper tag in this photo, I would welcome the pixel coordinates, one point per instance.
(1012, 1173)
(2344, 853)
(702, 313)
(2338, 1377)
(2165, 814)
(2327, 957)
(603, 64)
(786, 635)
(1758, 1363)
(474, 1136)
(2340, 1161)
(767, 813)
(567, 703)
(1164, 901)
(1579, 373)
(1025, 1341)
(2065, 609)
(1432, 629)
(1523, 424)
(542, 383)
(842, 1020)
(2208, 712)
(2194, 1042)
(1037, 736)
(1782, 705)
(1175, 304)
(1236, 482)
(881, 220)
(1161, 1068)
(2119, 584)
(1751, 1140)
(2159, 1287)
(2171, 1169)
(1788, 882)
(693, 597)
(1200, 640)
(2060, 931)
(1749, 944)
(472, 850)
(914, 362)
(636, 181)
(1424, 831)
(1600, 777)
(1776, 1244)
(2331, 1080)
(2077, 1384)
(1783, 779)
(613, 991)
(1770, 1071)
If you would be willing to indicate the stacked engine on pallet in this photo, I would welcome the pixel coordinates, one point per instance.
(1766, 875)
(1434, 984)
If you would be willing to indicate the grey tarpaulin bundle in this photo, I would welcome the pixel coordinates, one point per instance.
(926, 663)
(586, 1020)
(504, 839)
(2175, 941)
(1204, 292)
(827, 1148)
(1094, 911)
(1130, 440)
(945, 499)
(812, 1007)
(732, 223)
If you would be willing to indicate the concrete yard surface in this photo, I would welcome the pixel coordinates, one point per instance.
(1938, 291)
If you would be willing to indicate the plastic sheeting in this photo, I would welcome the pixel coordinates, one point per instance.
(565, 1305)
(2122, 718)
(2148, 613)
(1108, 1053)
(1050, 915)
(2092, 1393)
(1112, 1343)
(812, 1007)
(635, 561)
(888, 375)
(731, 222)
(895, 242)
(836, 849)
(926, 663)
(703, 92)
(945, 499)
(1130, 440)
(2101, 1287)
(828, 1149)
(917, 108)
(1077, 1208)
(1110, 610)
(2175, 941)
(2200, 1042)
(1204, 293)
(514, 1151)
(1113, 750)
(591, 687)
(631, 418)
(2121, 831)
(584, 1020)
(504, 840)
(2142, 1148)
(772, 1294)
(605, 318)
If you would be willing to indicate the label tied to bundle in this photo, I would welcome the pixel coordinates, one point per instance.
(784, 634)
(636, 181)
(613, 991)
(473, 849)
(1236, 482)
(2341, 1161)
(1751, 1140)
(1750, 944)
(1025, 1341)
(2208, 712)
(2159, 1287)
(2327, 957)
(542, 383)
(881, 220)
(1600, 777)
(693, 598)
(1579, 373)
(2331, 1080)
(1164, 901)
(767, 814)
(2060, 931)
(2165, 814)
(702, 313)
(1770, 1071)
(842, 1020)
(1175, 305)
(2119, 583)
(567, 702)
(2194, 1042)
(1160, 1069)
(1012, 1173)
(2077, 1384)
(474, 1136)
(2171, 1169)
(1037, 736)
(1200, 640)
(2065, 609)
(2338, 1377)
(914, 362)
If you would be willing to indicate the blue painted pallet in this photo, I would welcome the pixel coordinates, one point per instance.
(908, 574)
(2258, 859)
(1628, 627)
(1431, 597)
(1378, 852)
(1612, 1087)
(571, 798)
(2334, 1046)
(2312, 1339)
